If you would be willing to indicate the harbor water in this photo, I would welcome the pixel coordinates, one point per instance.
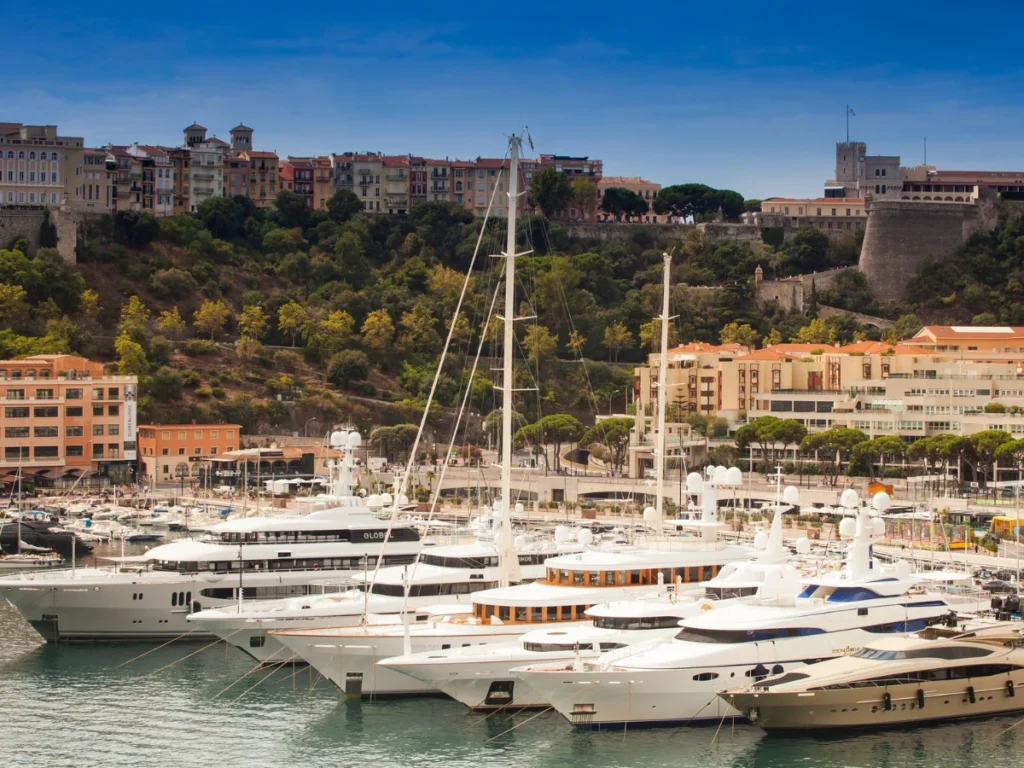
(197, 705)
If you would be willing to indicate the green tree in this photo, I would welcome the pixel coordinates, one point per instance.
(419, 329)
(621, 202)
(292, 209)
(768, 433)
(577, 341)
(985, 445)
(334, 332)
(13, 304)
(253, 321)
(343, 206)
(551, 191)
(378, 332)
(584, 196)
(613, 434)
(348, 366)
(837, 444)
(742, 334)
(166, 384)
(539, 344)
(650, 335)
(131, 357)
(773, 338)
(815, 332)
(283, 241)
(616, 338)
(223, 217)
(89, 303)
(292, 318)
(170, 323)
(211, 317)
(134, 320)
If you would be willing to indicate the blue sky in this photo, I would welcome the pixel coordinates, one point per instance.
(744, 96)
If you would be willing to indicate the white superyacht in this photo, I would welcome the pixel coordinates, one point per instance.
(479, 676)
(676, 682)
(149, 597)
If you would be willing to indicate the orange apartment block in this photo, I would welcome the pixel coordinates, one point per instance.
(63, 418)
(164, 446)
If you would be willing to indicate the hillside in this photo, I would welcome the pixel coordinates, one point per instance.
(275, 318)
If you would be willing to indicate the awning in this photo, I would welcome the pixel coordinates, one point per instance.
(9, 479)
(53, 474)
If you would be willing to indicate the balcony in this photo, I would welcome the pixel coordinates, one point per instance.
(324, 179)
(439, 188)
(397, 177)
(203, 176)
(203, 190)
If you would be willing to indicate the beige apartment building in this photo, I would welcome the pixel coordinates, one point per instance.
(831, 214)
(40, 167)
(438, 181)
(396, 184)
(648, 190)
(63, 417)
(361, 174)
(98, 181)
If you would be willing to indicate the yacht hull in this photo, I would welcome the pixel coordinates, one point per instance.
(103, 605)
(867, 708)
(350, 661)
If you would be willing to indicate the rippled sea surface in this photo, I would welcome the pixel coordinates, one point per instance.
(192, 705)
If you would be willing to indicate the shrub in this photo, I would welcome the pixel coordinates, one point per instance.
(166, 384)
(348, 366)
(190, 378)
(218, 392)
(172, 282)
(286, 360)
(196, 347)
(159, 350)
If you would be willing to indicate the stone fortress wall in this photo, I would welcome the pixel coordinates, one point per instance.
(23, 223)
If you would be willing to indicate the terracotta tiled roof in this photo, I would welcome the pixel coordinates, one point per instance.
(287, 171)
(953, 332)
(241, 127)
(703, 347)
(215, 140)
(260, 155)
(195, 127)
(396, 161)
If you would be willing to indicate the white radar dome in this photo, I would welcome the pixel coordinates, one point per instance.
(791, 495)
(847, 527)
(585, 537)
(354, 439)
(733, 476)
(562, 534)
(338, 438)
(650, 515)
(519, 507)
(878, 527)
(694, 483)
(850, 499)
(803, 546)
(385, 499)
(881, 501)
(374, 501)
(761, 540)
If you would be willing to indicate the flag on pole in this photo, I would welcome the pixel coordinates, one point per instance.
(529, 138)
(852, 112)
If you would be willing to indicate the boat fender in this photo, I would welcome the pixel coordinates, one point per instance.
(1009, 689)
(316, 566)
(887, 702)
(706, 607)
(970, 694)
(920, 698)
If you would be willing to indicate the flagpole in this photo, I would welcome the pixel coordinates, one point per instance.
(847, 123)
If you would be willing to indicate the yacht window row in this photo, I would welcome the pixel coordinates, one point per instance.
(284, 564)
(428, 590)
(256, 593)
(568, 647)
(949, 652)
(571, 578)
(637, 622)
(537, 614)
(316, 537)
(937, 674)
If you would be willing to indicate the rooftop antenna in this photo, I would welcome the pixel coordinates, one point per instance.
(926, 150)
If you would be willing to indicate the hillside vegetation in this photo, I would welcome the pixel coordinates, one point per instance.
(273, 318)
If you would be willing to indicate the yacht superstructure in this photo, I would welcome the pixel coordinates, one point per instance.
(675, 682)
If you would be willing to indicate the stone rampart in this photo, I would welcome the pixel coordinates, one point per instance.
(878, 322)
(902, 236)
(614, 231)
(18, 223)
(794, 293)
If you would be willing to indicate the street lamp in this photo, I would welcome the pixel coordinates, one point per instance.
(613, 394)
(305, 429)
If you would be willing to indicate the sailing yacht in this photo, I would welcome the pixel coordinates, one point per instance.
(479, 676)
(676, 681)
(149, 597)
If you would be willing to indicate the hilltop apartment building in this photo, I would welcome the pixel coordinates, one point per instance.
(64, 418)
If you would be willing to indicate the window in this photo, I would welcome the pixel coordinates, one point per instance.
(73, 450)
(113, 410)
(46, 452)
(181, 434)
(73, 411)
(15, 394)
(214, 434)
(97, 451)
(112, 393)
(97, 429)
(74, 431)
(44, 432)
(44, 394)
(113, 429)
(181, 451)
(73, 393)
(46, 412)
(15, 431)
(97, 410)
(165, 435)
(164, 451)
(16, 453)
(97, 393)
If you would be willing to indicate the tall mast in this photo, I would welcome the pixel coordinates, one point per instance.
(506, 547)
(659, 459)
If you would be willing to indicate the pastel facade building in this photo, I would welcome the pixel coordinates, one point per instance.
(40, 167)
(207, 171)
(264, 181)
(829, 214)
(323, 182)
(396, 184)
(62, 414)
(647, 190)
(165, 448)
(98, 182)
(362, 174)
(438, 180)
(302, 173)
(157, 183)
